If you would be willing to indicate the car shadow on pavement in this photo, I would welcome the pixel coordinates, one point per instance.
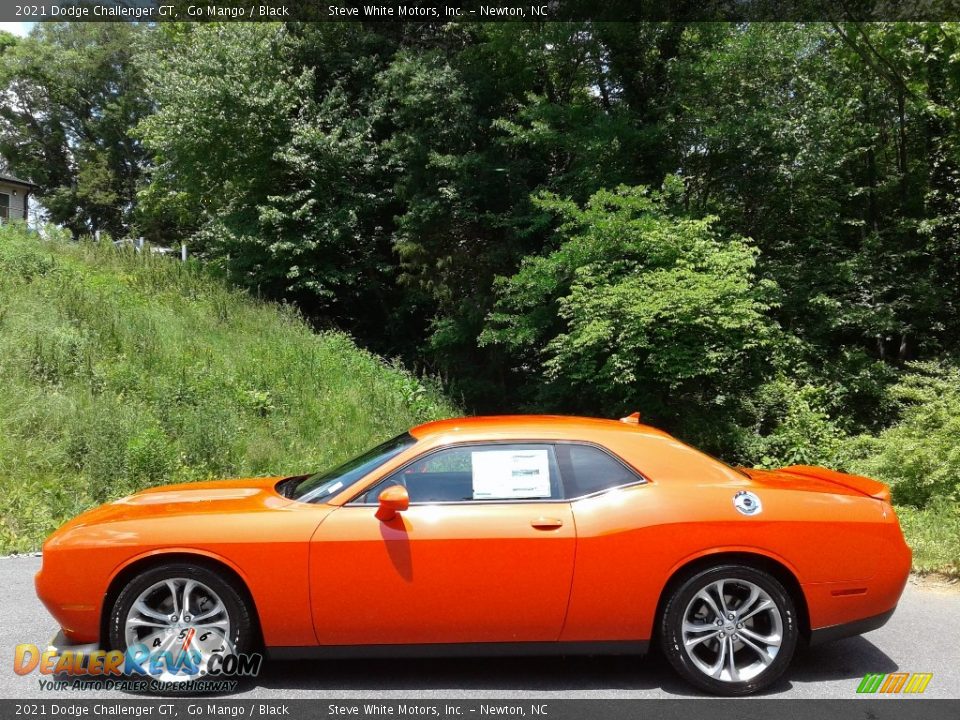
(844, 659)
(848, 659)
(841, 660)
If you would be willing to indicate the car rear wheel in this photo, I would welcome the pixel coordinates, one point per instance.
(181, 606)
(730, 630)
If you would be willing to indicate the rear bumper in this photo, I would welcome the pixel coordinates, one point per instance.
(843, 608)
(849, 629)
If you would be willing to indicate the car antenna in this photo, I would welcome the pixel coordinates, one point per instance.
(631, 419)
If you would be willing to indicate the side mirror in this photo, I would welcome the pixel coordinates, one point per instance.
(392, 501)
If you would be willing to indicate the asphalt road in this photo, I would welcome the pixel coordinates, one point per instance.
(922, 636)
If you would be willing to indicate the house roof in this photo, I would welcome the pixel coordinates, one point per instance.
(13, 180)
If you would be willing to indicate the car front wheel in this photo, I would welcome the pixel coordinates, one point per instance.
(182, 607)
(730, 630)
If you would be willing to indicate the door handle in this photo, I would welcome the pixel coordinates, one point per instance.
(545, 523)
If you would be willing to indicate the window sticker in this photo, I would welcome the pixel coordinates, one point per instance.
(506, 474)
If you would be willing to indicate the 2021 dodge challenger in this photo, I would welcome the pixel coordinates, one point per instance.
(525, 534)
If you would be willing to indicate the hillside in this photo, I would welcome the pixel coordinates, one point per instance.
(120, 371)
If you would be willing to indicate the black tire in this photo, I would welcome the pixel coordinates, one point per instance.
(242, 634)
(671, 628)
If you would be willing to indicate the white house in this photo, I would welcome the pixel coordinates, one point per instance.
(14, 197)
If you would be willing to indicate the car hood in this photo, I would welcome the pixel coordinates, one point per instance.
(218, 496)
(818, 479)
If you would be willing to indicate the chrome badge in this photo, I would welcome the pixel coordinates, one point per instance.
(747, 503)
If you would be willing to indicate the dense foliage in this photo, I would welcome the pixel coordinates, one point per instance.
(121, 371)
(749, 232)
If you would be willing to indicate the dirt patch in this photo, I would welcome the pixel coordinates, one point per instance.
(936, 582)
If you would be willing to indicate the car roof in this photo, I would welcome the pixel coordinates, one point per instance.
(561, 427)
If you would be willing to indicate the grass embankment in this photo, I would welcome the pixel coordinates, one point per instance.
(119, 371)
(934, 535)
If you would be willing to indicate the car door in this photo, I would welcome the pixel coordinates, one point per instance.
(484, 553)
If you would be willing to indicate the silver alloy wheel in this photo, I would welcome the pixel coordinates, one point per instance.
(179, 615)
(732, 630)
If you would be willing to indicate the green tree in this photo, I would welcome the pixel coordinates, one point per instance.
(224, 105)
(265, 155)
(638, 307)
(835, 148)
(71, 94)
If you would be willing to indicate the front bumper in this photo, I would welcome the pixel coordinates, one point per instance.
(79, 621)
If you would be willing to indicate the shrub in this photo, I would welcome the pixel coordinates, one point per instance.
(919, 455)
(792, 426)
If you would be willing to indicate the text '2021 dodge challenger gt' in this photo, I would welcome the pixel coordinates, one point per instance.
(526, 534)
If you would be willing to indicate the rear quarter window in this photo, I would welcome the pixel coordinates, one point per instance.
(587, 470)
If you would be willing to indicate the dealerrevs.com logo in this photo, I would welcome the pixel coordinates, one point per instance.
(182, 669)
(898, 682)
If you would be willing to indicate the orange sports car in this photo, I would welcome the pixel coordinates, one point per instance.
(489, 535)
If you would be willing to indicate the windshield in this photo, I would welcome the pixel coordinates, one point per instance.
(317, 488)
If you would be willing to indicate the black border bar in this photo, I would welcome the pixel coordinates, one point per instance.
(445, 11)
(467, 709)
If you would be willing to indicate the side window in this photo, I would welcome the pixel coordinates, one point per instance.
(477, 472)
(587, 470)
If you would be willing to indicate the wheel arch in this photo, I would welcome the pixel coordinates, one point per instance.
(752, 558)
(133, 567)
